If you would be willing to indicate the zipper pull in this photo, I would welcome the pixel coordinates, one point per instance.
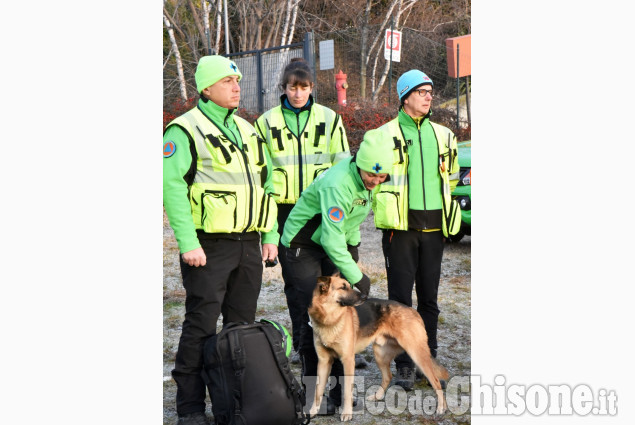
(442, 163)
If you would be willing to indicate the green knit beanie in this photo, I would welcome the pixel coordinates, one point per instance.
(211, 69)
(375, 153)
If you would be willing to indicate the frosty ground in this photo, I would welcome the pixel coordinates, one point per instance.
(453, 334)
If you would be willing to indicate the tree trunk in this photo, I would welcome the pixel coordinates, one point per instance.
(197, 21)
(285, 26)
(384, 74)
(363, 57)
(293, 18)
(219, 13)
(177, 56)
(207, 8)
(273, 28)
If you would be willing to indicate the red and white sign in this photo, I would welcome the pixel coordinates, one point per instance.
(392, 44)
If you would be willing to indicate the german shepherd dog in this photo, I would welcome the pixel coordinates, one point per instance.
(344, 324)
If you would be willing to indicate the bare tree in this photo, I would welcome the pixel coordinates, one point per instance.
(177, 55)
(219, 12)
(401, 7)
(197, 20)
(207, 8)
(293, 18)
(196, 28)
(289, 21)
(285, 27)
(363, 56)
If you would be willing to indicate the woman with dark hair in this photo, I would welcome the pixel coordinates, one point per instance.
(303, 139)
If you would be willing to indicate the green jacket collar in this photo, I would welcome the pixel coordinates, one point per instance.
(287, 105)
(217, 114)
(406, 120)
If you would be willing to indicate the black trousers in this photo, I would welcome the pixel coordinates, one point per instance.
(295, 312)
(229, 284)
(414, 259)
(303, 267)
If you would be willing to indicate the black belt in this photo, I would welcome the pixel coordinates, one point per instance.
(237, 236)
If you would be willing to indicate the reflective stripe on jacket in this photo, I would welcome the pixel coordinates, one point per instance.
(227, 194)
(297, 161)
(390, 204)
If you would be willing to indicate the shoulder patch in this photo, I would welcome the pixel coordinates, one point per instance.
(168, 149)
(335, 214)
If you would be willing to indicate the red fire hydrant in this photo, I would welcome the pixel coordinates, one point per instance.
(341, 85)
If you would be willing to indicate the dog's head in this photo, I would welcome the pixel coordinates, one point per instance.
(338, 290)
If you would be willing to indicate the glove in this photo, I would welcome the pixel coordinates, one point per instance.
(352, 249)
(363, 286)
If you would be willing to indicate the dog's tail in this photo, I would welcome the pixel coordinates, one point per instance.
(439, 371)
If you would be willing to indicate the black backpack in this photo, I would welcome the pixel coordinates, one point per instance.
(248, 377)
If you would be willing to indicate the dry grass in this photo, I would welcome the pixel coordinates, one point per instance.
(453, 334)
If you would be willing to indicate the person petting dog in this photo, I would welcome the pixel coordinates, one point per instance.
(322, 233)
(415, 208)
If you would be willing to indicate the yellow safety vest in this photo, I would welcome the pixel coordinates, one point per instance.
(227, 193)
(296, 163)
(390, 204)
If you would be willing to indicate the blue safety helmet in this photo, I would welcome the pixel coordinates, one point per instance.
(409, 81)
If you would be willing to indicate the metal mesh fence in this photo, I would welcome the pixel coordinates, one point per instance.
(418, 52)
(272, 64)
(262, 71)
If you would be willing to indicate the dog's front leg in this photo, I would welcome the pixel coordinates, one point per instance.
(323, 370)
(347, 387)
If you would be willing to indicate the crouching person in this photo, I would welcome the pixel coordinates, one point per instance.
(322, 234)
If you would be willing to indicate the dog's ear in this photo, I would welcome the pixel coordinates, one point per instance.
(324, 283)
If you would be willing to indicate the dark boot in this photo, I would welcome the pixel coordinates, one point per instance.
(198, 418)
(405, 377)
(360, 362)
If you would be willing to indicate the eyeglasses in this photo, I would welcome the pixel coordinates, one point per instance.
(423, 92)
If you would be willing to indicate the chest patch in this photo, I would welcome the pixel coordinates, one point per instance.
(335, 214)
(168, 149)
(361, 202)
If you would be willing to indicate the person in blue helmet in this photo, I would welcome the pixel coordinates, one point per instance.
(415, 209)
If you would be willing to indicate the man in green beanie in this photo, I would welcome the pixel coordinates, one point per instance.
(217, 196)
(322, 234)
(415, 209)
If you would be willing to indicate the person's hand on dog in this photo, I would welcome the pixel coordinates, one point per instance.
(363, 286)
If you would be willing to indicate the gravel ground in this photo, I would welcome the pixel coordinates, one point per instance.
(453, 334)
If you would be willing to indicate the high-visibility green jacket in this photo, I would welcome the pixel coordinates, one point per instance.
(421, 185)
(301, 145)
(329, 214)
(216, 177)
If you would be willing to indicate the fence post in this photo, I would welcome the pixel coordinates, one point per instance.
(467, 99)
(308, 52)
(390, 72)
(259, 89)
(458, 89)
